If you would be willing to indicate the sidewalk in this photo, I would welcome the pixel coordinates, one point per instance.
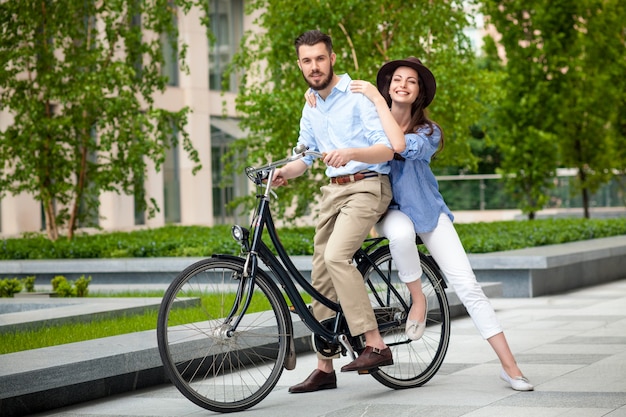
(571, 346)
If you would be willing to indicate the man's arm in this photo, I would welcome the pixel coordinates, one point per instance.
(291, 170)
(392, 130)
(374, 154)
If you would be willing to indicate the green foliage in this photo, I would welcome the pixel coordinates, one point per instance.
(62, 286)
(510, 235)
(82, 285)
(65, 288)
(29, 283)
(564, 96)
(9, 287)
(81, 97)
(165, 241)
(365, 35)
(202, 241)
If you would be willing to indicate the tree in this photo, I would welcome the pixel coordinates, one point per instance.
(560, 103)
(365, 35)
(589, 84)
(78, 78)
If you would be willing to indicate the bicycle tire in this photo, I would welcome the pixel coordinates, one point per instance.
(415, 361)
(216, 371)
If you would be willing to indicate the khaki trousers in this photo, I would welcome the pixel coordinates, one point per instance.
(347, 214)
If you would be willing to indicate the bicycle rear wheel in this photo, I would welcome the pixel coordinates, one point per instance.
(211, 364)
(415, 361)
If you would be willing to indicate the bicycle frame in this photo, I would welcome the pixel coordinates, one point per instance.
(286, 273)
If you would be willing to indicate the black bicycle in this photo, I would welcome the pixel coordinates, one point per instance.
(225, 330)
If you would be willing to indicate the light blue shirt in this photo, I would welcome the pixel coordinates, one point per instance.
(415, 188)
(344, 120)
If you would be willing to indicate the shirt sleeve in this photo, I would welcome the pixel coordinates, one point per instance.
(307, 137)
(421, 145)
(372, 126)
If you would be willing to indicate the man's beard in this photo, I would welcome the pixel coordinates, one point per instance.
(324, 83)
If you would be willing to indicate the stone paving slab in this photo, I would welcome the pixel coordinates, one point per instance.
(572, 346)
(60, 375)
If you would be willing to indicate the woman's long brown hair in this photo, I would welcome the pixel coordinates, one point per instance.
(419, 115)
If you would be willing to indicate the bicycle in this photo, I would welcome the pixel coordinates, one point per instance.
(225, 331)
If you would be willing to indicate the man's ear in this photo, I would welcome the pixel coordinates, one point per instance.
(299, 65)
(333, 58)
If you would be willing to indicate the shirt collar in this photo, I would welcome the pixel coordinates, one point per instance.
(344, 83)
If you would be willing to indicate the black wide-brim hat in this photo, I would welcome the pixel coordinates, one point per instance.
(428, 79)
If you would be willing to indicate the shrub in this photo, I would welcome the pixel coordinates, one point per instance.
(81, 286)
(199, 241)
(29, 283)
(9, 287)
(56, 281)
(65, 288)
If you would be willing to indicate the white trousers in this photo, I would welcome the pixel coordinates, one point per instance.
(444, 245)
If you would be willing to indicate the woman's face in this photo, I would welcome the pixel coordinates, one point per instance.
(404, 87)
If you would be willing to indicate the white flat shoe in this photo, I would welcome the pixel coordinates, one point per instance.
(415, 329)
(519, 383)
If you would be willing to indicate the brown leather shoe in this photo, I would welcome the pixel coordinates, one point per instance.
(318, 380)
(370, 358)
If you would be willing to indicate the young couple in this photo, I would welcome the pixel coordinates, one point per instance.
(385, 135)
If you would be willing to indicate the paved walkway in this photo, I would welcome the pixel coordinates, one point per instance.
(571, 346)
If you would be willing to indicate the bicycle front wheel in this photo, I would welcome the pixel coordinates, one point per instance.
(214, 362)
(415, 361)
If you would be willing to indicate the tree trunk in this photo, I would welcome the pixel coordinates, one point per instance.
(585, 192)
(51, 224)
(586, 202)
(80, 186)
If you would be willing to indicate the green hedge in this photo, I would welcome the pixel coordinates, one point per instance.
(181, 241)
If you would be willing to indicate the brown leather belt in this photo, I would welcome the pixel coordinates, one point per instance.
(346, 179)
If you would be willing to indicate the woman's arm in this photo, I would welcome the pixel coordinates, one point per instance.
(390, 126)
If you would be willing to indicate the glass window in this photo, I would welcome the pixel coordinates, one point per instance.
(226, 186)
(170, 55)
(171, 185)
(227, 27)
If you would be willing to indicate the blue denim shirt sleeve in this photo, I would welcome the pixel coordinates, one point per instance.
(421, 145)
(415, 188)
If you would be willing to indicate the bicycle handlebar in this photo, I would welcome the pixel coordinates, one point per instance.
(262, 173)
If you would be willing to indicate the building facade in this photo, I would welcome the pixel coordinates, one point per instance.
(183, 198)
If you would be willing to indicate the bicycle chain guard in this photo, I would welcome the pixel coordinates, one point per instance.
(324, 347)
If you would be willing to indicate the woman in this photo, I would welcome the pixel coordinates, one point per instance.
(407, 87)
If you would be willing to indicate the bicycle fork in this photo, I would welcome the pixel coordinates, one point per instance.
(244, 293)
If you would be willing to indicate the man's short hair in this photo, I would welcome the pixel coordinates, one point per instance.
(313, 37)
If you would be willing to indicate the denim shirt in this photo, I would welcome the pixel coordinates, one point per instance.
(344, 120)
(415, 189)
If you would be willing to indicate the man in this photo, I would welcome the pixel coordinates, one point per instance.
(344, 126)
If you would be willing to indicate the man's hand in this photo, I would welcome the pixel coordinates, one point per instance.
(278, 179)
(338, 157)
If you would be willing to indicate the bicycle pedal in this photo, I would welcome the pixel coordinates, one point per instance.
(364, 372)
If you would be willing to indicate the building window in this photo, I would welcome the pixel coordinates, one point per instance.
(227, 28)
(226, 186)
(171, 185)
(170, 54)
(134, 54)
